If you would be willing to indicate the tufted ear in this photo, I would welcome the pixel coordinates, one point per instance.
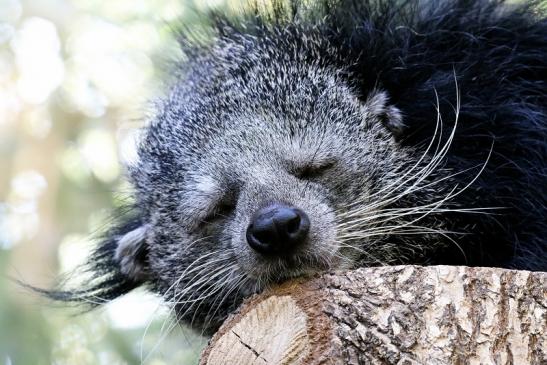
(117, 265)
(376, 107)
(131, 254)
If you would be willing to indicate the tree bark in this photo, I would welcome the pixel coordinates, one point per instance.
(392, 315)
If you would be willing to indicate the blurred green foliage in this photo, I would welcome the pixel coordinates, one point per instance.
(75, 78)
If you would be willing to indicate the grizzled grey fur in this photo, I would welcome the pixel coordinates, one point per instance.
(407, 131)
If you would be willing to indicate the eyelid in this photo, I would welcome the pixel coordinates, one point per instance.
(221, 209)
(324, 164)
(314, 169)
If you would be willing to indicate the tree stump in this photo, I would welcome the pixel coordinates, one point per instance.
(392, 315)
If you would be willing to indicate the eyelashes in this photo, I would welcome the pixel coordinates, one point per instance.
(310, 172)
(222, 211)
(220, 205)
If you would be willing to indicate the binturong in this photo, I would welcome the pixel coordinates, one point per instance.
(306, 137)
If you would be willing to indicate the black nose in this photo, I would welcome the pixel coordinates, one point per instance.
(277, 229)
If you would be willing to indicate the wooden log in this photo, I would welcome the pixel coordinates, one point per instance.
(392, 315)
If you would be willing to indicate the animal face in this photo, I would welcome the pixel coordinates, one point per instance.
(317, 161)
(251, 186)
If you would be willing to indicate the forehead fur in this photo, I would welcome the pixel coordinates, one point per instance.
(239, 85)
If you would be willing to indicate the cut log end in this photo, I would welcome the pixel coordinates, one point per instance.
(392, 315)
(272, 331)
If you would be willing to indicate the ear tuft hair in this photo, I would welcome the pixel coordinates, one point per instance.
(376, 107)
(131, 254)
(104, 275)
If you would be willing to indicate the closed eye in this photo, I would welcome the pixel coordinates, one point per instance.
(314, 171)
(221, 211)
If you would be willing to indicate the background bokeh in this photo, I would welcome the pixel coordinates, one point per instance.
(75, 78)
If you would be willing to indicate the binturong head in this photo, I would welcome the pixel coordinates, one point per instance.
(246, 172)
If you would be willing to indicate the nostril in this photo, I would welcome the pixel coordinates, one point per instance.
(262, 236)
(293, 225)
(299, 227)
